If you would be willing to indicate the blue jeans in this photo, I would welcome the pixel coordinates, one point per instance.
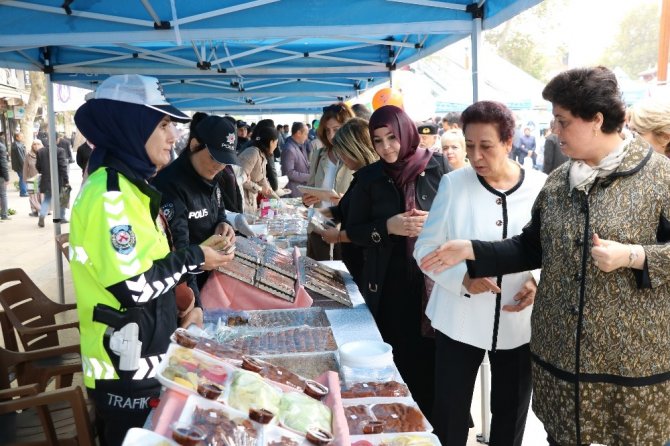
(46, 205)
(4, 207)
(23, 189)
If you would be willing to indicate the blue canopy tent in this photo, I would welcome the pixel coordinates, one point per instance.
(245, 53)
(239, 56)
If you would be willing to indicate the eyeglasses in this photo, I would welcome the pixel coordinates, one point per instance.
(333, 108)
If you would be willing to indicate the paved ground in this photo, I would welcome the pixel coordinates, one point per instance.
(25, 245)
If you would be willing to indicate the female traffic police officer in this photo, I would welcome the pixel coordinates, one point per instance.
(123, 269)
(192, 200)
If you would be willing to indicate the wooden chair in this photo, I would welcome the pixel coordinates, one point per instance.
(36, 366)
(30, 312)
(29, 417)
(63, 242)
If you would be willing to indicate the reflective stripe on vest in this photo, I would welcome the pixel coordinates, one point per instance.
(97, 369)
(148, 367)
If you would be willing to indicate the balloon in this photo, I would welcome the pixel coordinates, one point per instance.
(387, 96)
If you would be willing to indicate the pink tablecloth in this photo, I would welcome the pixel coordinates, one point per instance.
(222, 291)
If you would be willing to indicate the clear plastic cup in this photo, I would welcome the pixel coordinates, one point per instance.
(187, 434)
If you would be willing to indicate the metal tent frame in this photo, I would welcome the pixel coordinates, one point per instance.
(240, 56)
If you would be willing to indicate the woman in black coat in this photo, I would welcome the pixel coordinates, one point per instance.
(389, 205)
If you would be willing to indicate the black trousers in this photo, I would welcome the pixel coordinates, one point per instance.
(456, 366)
(120, 405)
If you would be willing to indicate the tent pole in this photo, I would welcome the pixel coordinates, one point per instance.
(485, 368)
(476, 50)
(55, 189)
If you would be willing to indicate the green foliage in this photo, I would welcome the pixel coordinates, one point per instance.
(519, 49)
(635, 47)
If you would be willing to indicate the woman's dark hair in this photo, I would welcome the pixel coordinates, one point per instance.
(490, 112)
(195, 120)
(263, 123)
(586, 92)
(263, 137)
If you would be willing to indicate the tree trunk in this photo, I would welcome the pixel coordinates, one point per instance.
(37, 92)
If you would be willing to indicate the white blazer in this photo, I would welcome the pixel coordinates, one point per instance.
(465, 208)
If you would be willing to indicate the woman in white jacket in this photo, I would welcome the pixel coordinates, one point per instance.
(490, 199)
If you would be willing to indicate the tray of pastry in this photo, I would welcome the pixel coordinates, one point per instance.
(190, 371)
(240, 269)
(256, 319)
(249, 249)
(309, 265)
(320, 289)
(288, 340)
(207, 345)
(321, 281)
(275, 283)
(390, 416)
(376, 389)
(225, 425)
(280, 262)
(305, 365)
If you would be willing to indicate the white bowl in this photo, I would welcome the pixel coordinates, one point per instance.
(366, 354)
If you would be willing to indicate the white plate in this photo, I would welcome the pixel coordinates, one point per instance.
(137, 436)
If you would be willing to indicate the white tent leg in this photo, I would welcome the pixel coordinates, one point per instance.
(55, 189)
(485, 379)
(476, 38)
(485, 368)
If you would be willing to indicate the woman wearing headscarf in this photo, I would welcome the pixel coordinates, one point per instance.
(123, 269)
(600, 342)
(389, 206)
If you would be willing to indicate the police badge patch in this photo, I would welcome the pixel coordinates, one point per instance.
(168, 210)
(123, 238)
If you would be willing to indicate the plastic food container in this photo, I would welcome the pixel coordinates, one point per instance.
(364, 361)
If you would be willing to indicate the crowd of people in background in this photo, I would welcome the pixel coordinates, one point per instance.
(444, 225)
